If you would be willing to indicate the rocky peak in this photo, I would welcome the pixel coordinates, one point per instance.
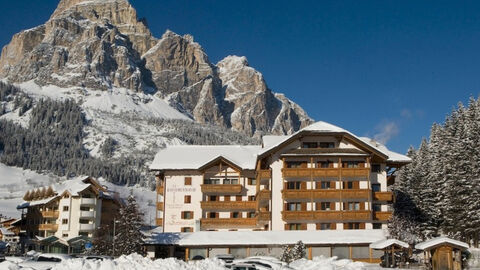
(100, 44)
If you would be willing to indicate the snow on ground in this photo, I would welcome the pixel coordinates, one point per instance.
(138, 262)
(14, 182)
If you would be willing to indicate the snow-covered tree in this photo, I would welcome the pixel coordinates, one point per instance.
(128, 235)
(102, 243)
(292, 253)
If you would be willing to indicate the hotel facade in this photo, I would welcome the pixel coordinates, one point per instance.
(321, 178)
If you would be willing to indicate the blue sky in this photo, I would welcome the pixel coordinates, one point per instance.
(377, 68)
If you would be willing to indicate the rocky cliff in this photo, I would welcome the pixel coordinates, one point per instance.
(100, 44)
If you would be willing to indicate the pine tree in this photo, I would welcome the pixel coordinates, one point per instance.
(102, 242)
(28, 196)
(128, 235)
(292, 253)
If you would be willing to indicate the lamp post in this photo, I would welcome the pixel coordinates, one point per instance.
(113, 242)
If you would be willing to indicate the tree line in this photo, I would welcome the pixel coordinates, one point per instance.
(439, 192)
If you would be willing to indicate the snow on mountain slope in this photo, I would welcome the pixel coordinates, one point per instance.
(14, 182)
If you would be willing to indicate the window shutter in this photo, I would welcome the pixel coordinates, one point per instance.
(333, 184)
(285, 207)
(362, 226)
(303, 185)
(362, 205)
(332, 206)
(304, 226)
(317, 226)
(304, 206)
(356, 185)
(286, 227)
(333, 226)
(304, 165)
(217, 215)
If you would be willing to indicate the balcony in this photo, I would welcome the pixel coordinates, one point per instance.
(264, 216)
(325, 172)
(339, 216)
(326, 194)
(160, 206)
(87, 214)
(50, 214)
(229, 206)
(227, 223)
(382, 216)
(160, 190)
(264, 194)
(159, 221)
(355, 172)
(386, 196)
(222, 189)
(264, 174)
(48, 227)
(87, 227)
(87, 201)
(296, 172)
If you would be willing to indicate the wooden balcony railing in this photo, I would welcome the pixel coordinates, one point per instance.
(160, 190)
(264, 216)
(50, 214)
(264, 174)
(324, 172)
(159, 221)
(355, 172)
(339, 216)
(227, 223)
(382, 216)
(48, 227)
(222, 189)
(227, 206)
(160, 206)
(264, 194)
(386, 196)
(331, 194)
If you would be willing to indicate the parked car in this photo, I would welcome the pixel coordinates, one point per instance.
(243, 266)
(95, 257)
(227, 258)
(44, 261)
(263, 263)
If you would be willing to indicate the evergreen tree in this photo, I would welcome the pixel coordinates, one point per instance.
(292, 253)
(102, 242)
(128, 235)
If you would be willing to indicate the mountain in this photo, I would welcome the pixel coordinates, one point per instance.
(91, 45)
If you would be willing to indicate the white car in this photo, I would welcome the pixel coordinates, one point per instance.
(44, 261)
(262, 263)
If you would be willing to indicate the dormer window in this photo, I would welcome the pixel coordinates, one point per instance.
(309, 145)
(327, 145)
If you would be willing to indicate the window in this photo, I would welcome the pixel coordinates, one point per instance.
(327, 145)
(325, 206)
(375, 187)
(377, 207)
(353, 206)
(251, 198)
(351, 164)
(377, 226)
(235, 215)
(251, 214)
(296, 206)
(212, 215)
(309, 145)
(252, 181)
(187, 199)
(211, 181)
(324, 185)
(84, 208)
(83, 234)
(233, 181)
(294, 226)
(64, 221)
(65, 235)
(226, 198)
(186, 229)
(324, 226)
(188, 181)
(296, 164)
(351, 226)
(294, 185)
(48, 259)
(324, 164)
(84, 221)
(187, 215)
(348, 185)
(376, 168)
(212, 198)
(65, 208)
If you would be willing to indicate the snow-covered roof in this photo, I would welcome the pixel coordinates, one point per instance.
(6, 232)
(269, 140)
(192, 157)
(73, 187)
(393, 157)
(432, 243)
(388, 242)
(215, 238)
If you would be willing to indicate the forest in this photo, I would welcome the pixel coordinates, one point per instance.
(439, 192)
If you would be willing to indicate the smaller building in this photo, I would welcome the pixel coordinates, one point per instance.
(395, 251)
(443, 253)
(55, 217)
(346, 244)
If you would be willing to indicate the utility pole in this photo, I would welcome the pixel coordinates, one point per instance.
(113, 249)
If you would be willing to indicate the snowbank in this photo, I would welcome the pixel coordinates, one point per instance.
(322, 263)
(138, 262)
